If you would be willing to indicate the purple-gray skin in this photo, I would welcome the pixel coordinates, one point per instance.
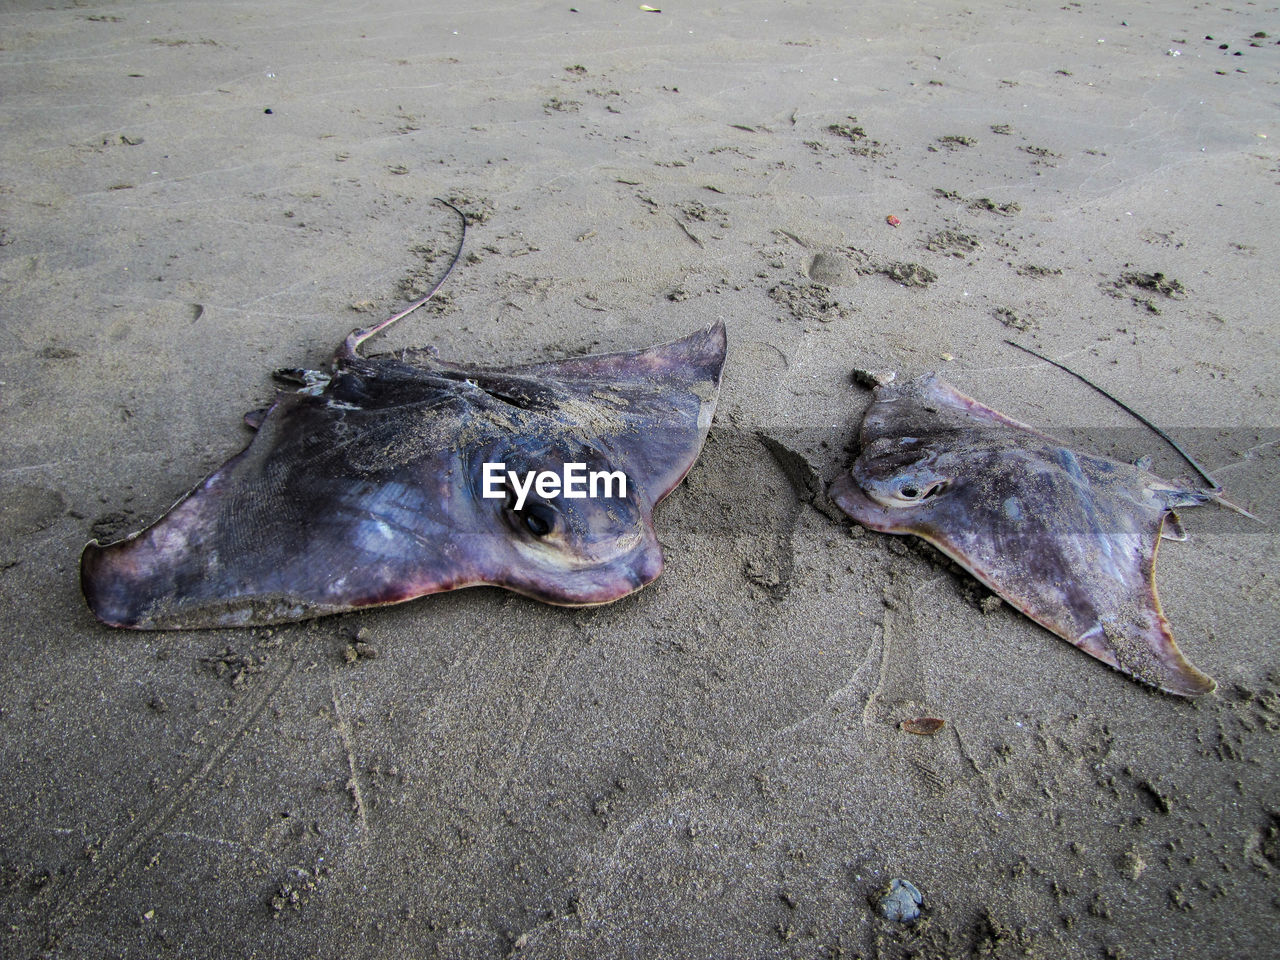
(363, 488)
(1068, 538)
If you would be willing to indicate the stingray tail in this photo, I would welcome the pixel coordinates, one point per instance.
(1181, 497)
(1217, 497)
(351, 346)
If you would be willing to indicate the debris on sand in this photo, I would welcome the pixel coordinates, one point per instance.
(901, 901)
(909, 274)
(1012, 319)
(808, 301)
(1156, 282)
(953, 243)
(922, 726)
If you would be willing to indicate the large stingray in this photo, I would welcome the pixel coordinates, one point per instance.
(1068, 538)
(365, 487)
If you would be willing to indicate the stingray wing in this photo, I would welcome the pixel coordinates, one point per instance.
(1068, 539)
(292, 527)
(651, 409)
(369, 492)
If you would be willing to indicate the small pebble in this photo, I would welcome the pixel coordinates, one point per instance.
(901, 902)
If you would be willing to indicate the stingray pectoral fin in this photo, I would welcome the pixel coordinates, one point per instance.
(1139, 639)
(652, 408)
(181, 575)
(131, 582)
(693, 366)
(1150, 655)
(1125, 629)
(200, 566)
(695, 359)
(110, 595)
(281, 532)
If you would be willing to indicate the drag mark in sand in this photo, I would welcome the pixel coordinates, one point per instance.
(70, 900)
(529, 712)
(899, 680)
(343, 727)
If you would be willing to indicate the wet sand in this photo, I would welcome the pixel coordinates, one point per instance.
(192, 196)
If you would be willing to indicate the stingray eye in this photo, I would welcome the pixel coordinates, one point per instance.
(917, 491)
(538, 520)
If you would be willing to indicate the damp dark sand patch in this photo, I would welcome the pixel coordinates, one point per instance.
(980, 203)
(1014, 320)
(555, 104)
(828, 267)
(112, 524)
(909, 274)
(849, 131)
(860, 144)
(952, 243)
(697, 211)
(807, 301)
(989, 205)
(1156, 283)
(833, 266)
(1042, 155)
(420, 279)
(476, 209)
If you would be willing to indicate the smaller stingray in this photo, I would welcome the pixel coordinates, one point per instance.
(1067, 538)
(364, 486)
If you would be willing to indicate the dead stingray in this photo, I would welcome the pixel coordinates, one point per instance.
(364, 487)
(1067, 538)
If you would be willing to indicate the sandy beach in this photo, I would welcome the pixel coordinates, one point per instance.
(193, 195)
